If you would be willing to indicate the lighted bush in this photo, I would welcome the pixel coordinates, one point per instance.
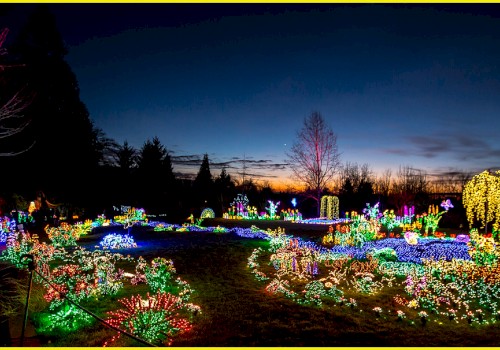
(482, 249)
(384, 254)
(118, 241)
(156, 319)
(17, 245)
(65, 235)
(66, 319)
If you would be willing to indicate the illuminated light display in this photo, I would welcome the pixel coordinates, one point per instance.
(117, 241)
(482, 249)
(291, 215)
(207, 213)
(156, 319)
(67, 319)
(272, 208)
(329, 207)
(411, 237)
(240, 203)
(18, 244)
(63, 236)
(433, 217)
(437, 274)
(481, 199)
(131, 216)
(446, 204)
(5, 228)
(319, 221)
(159, 227)
(31, 208)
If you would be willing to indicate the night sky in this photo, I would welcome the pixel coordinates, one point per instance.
(415, 85)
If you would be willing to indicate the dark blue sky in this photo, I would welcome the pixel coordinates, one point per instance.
(414, 85)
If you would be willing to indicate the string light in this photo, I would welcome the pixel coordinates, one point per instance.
(156, 319)
(329, 207)
(481, 198)
(117, 241)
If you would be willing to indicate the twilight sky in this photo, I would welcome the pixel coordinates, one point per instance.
(401, 84)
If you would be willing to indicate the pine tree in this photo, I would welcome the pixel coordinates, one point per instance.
(203, 184)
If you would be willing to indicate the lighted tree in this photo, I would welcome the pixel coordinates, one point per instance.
(481, 198)
(314, 157)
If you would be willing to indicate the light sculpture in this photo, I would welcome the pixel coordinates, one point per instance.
(207, 213)
(329, 207)
(481, 199)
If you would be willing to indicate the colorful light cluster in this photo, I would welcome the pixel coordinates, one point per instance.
(440, 278)
(117, 241)
(156, 319)
(131, 216)
(482, 249)
(241, 210)
(65, 235)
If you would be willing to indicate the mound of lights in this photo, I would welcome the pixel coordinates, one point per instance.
(156, 319)
(118, 241)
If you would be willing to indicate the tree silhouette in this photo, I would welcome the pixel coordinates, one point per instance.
(155, 174)
(63, 157)
(104, 148)
(314, 157)
(203, 183)
(125, 157)
(225, 190)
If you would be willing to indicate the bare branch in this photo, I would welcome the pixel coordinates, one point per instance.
(314, 157)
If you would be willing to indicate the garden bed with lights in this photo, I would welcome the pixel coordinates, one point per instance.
(280, 284)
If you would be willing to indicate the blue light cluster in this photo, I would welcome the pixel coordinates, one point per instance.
(117, 241)
(319, 221)
(249, 233)
(426, 248)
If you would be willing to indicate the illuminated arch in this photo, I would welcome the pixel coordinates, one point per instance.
(207, 213)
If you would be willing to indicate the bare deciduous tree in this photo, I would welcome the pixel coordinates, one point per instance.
(11, 120)
(410, 184)
(384, 183)
(314, 157)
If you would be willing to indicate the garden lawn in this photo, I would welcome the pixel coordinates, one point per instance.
(237, 311)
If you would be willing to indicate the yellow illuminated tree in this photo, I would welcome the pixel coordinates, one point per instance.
(481, 199)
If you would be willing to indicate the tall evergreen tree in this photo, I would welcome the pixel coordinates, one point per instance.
(203, 184)
(204, 177)
(63, 156)
(125, 157)
(156, 175)
(225, 190)
(151, 156)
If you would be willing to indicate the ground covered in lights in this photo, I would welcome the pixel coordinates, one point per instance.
(245, 288)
